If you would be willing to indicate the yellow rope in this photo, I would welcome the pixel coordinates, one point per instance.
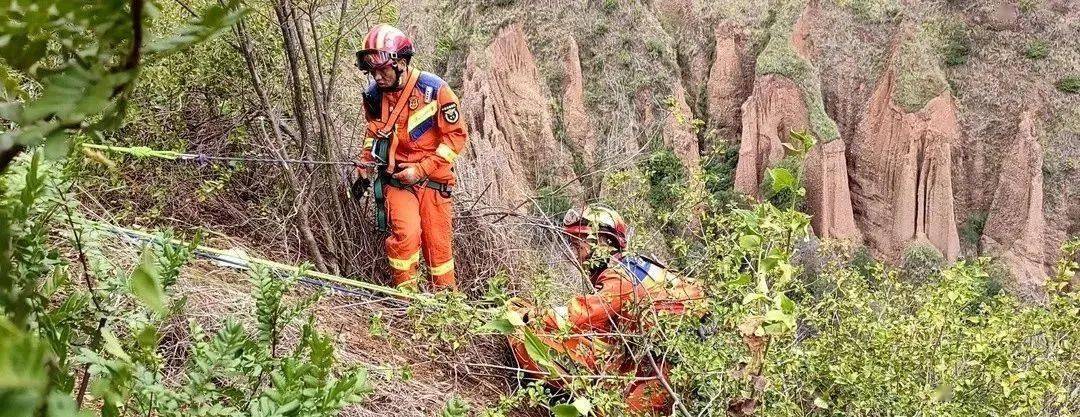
(270, 264)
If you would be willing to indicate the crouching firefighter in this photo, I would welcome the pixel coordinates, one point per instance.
(629, 294)
(414, 134)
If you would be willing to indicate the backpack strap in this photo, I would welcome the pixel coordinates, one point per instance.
(384, 127)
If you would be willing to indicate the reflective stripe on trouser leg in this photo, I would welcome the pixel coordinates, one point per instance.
(403, 244)
(436, 225)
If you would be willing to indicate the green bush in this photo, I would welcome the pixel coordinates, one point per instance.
(949, 348)
(956, 44)
(666, 176)
(954, 346)
(972, 229)
(1037, 49)
(921, 262)
(1069, 84)
(719, 173)
(862, 262)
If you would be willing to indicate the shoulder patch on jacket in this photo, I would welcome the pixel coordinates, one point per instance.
(429, 85)
(450, 113)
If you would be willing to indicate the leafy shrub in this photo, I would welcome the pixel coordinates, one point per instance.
(972, 229)
(920, 262)
(552, 201)
(862, 262)
(1037, 49)
(948, 348)
(955, 346)
(106, 326)
(719, 173)
(666, 175)
(956, 44)
(1069, 84)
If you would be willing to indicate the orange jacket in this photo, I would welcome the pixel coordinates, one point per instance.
(625, 290)
(430, 129)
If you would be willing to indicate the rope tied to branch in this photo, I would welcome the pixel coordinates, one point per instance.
(203, 159)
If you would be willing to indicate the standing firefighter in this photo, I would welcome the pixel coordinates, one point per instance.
(414, 134)
(629, 294)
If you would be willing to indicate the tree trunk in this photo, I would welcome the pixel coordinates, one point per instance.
(278, 148)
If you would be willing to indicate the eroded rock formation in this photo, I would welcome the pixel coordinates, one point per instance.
(900, 167)
(679, 135)
(1015, 225)
(579, 126)
(828, 197)
(512, 146)
(774, 109)
(727, 86)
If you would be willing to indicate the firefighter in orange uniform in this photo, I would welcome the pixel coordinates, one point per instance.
(414, 134)
(627, 291)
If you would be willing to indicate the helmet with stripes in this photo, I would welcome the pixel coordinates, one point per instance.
(596, 219)
(382, 45)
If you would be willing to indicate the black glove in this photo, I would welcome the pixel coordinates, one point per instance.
(359, 188)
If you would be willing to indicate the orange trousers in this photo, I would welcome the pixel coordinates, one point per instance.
(644, 397)
(420, 221)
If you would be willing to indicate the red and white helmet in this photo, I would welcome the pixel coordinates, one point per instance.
(382, 45)
(596, 219)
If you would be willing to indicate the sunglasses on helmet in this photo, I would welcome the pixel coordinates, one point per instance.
(373, 60)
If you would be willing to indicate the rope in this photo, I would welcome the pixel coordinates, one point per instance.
(245, 261)
(203, 159)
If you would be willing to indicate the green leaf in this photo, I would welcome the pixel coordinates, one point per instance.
(499, 325)
(739, 281)
(749, 242)
(583, 405)
(774, 329)
(820, 403)
(536, 349)
(775, 316)
(782, 179)
(146, 283)
(515, 318)
(785, 304)
(112, 345)
(565, 410)
(21, 52)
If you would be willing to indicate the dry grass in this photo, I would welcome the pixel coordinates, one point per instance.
(410, 377)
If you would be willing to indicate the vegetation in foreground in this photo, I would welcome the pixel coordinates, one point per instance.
(790, 330)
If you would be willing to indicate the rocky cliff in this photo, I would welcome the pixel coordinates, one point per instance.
(512, 149)
(914, 106)
(1015, 227)
(900, 166)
